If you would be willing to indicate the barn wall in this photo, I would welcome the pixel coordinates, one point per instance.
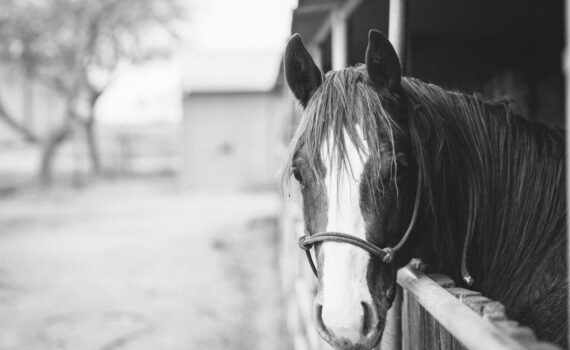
(229, 140)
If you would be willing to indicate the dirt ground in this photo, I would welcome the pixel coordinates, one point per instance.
(139, 265)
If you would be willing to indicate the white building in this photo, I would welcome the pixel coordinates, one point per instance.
(234, 114)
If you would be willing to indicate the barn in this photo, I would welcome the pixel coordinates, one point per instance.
(494, 48)
(234, 111)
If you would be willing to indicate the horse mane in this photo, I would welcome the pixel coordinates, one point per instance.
(494, 178)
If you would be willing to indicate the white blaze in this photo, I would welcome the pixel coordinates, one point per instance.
(343, 286)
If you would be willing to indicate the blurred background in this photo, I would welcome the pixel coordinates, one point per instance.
(141, 140)
(138, 162)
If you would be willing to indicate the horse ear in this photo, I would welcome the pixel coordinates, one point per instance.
(301, 73)
(382, 61)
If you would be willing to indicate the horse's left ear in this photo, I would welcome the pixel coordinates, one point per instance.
(382, 61)
(302, 75)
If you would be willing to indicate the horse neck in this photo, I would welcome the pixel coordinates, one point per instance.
(488, 175)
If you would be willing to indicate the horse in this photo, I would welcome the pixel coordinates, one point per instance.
(463, 184)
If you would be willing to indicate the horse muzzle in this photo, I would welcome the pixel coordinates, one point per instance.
(360, 331)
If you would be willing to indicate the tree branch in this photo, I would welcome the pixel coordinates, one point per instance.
(25, 132)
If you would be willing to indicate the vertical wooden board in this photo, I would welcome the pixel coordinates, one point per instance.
(424, 327)
(441, 337)
(392, 336)
(339, 37)
(417, 331)
(405, 321)
(414, 336)
(397, 28)
(566, 66)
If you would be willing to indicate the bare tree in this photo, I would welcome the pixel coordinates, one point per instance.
(74, 48)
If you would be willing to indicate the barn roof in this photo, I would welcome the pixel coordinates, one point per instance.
(309, 17)
(232, 72)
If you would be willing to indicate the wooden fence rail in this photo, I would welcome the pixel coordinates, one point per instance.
(438, 315)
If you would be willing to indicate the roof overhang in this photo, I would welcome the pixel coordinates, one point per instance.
(312, 19)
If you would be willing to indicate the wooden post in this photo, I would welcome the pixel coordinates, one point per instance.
(335, 24)
(338, 39)
(566, 65)
(392, 336)
(397, 28)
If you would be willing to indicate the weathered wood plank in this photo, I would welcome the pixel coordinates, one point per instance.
(441, 279)
(494, 311)
(468, 327)
(392, 336)
(461, 293)
(476, 303)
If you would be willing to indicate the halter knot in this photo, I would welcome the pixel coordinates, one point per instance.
(303, 245)
(389, 256)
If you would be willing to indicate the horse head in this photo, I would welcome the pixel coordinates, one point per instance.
(351, 156)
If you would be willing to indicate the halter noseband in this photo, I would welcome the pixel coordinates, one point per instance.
(387, 254)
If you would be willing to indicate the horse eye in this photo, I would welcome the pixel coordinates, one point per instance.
(297, 175)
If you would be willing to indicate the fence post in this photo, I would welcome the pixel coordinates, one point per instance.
(392, 336)
(566, 68)
(397, 29)
(338, 39)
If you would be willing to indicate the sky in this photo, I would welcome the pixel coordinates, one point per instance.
(239, 25)
(152, 91)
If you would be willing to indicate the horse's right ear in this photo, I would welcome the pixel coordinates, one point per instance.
(302, 75)
(382, 62)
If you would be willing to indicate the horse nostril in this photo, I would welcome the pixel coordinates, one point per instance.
(319, 324)
(369, 320)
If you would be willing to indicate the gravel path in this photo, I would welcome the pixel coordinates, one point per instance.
(139, 265)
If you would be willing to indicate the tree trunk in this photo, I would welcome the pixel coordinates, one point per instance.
(92, 147)
(28, 102)
(90, 134)
(49, 149)
(8, 119)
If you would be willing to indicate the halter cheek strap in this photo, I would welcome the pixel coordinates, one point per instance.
(387, 254)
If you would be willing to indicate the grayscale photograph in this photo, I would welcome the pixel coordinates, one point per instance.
(284, 174)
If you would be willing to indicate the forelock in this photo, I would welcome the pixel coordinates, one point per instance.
(343, 104)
